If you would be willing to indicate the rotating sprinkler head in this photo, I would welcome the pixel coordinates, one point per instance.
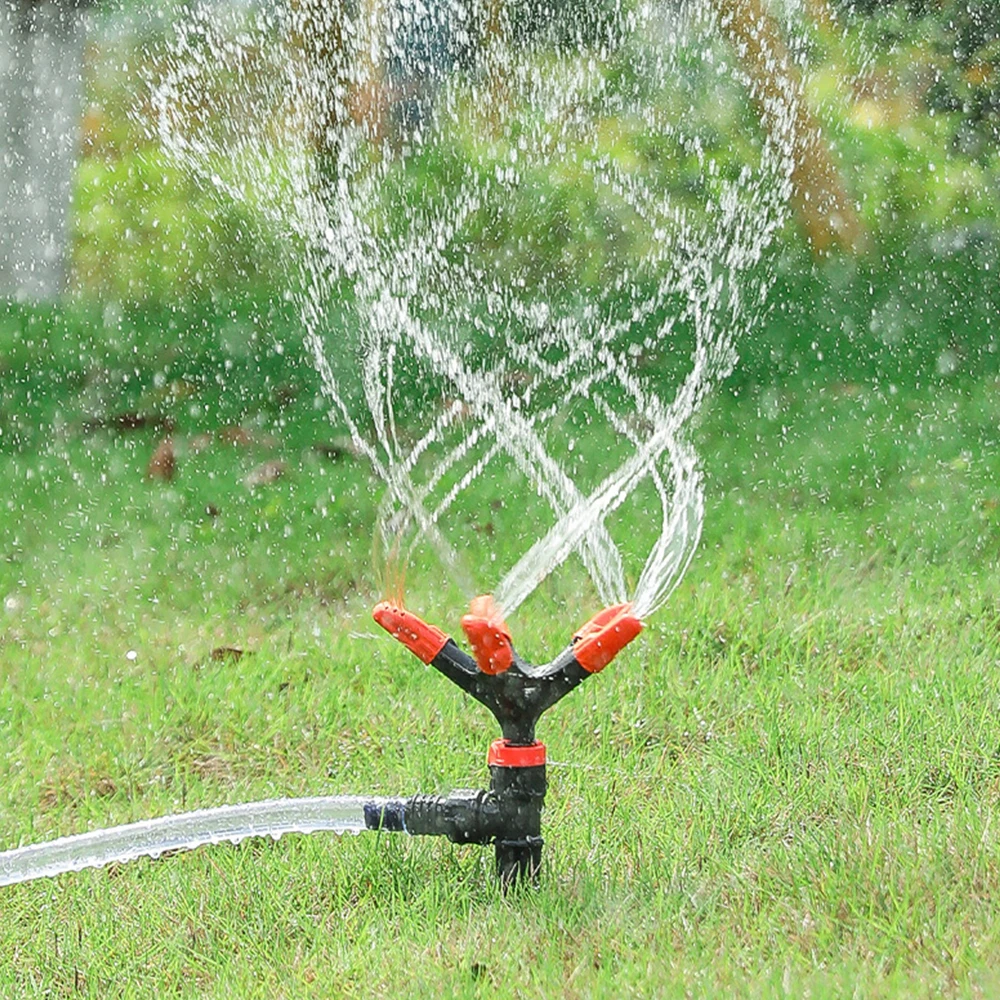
(516, 693)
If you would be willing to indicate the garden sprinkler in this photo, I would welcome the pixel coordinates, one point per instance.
(509, 813)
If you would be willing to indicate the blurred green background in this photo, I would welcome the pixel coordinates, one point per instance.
(175, 284)
(908, 94)
(791, 780)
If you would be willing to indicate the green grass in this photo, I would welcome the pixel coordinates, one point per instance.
(788, 785)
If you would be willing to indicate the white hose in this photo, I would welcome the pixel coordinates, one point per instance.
(182, 832)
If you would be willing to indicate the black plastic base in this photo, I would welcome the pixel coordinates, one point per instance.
(519, 862)
(509, 815)
(521, 792)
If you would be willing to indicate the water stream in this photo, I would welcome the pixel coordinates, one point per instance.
(411, 155)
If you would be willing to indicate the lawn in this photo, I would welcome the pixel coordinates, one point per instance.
(788, 785)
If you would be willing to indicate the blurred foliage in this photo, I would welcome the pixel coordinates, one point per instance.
(956, 46)
(564, 227)
(907, 93)
(563, 22)
(144, 230)
(147, 232)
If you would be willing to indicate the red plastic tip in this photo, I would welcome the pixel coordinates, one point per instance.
(503, 753)
(605, 636)
(488, 635)
(421, 639)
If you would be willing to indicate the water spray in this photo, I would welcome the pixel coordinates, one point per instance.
(520, 361)
(508, 814)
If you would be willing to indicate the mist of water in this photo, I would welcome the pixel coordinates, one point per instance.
(410, 155)
(404, 151)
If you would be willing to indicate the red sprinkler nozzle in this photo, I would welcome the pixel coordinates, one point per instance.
(605, 636)
(423, 640)
(488, 635)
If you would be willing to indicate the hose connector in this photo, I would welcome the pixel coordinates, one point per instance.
(464, 816)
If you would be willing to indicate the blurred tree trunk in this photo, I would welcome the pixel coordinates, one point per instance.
(496, 56)
(41, 68)
(820, 197)
(370, 98)
(318, 40)
(339, 88)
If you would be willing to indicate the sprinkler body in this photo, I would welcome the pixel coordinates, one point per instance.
(509, 813)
